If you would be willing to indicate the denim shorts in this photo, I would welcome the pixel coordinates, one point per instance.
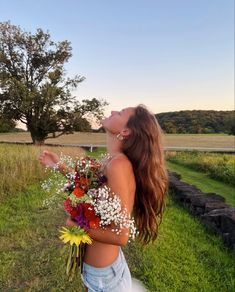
(113, 278)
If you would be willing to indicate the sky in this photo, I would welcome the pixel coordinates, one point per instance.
(170, 55)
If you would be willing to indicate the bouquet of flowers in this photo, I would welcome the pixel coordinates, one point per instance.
(91, 204)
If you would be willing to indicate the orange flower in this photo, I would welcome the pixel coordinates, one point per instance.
(78, 192)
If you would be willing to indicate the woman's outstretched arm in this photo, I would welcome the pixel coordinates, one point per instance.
(52, 160)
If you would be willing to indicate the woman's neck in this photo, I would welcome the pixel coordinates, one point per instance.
(113, 144)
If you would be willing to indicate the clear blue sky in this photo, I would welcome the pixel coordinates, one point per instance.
(168, 54)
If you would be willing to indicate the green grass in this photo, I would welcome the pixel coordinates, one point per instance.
(204, 182)
(15, 176)
(218, 166)
(97, 153)
(186, 256)
(20, 167)
(30, 251)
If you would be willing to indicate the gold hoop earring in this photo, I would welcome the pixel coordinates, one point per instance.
(120, 137)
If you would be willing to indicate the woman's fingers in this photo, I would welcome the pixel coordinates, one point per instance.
(70, 222)
(40, 157)
(43, 156)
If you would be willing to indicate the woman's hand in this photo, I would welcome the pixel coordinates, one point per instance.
(49, 159)
(70, 222)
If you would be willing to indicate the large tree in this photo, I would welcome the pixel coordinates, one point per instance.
(34, 88)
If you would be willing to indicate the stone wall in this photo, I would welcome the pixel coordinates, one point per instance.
(210, 208)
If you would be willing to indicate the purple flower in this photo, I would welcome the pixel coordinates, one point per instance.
(79, 209)
(81, 219)
(82, 222)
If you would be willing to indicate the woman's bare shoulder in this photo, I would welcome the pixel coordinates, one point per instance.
(120, 163)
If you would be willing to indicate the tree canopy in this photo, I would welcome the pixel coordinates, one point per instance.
(34, 88)
(197, 122)
(6, 125)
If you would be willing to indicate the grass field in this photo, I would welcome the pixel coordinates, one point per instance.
(170, 140)
(186, 257)
(204, 182)
(19, 166)
(218, 166)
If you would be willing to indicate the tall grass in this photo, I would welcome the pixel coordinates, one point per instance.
(218, 166)
(19, 166)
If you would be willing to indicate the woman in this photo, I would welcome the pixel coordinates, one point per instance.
(136, 172)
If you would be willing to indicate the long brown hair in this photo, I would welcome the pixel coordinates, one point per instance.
(144, 148)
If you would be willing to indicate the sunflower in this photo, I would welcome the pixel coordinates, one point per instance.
(75, 235)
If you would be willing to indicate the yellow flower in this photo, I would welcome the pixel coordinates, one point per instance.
(75, 235)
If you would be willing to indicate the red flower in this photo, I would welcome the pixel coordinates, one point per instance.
(88, 211)
(73, 213)
(94, 223)
(67, 205)
(90, 215)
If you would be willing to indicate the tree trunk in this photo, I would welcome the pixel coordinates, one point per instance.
(38, 142)
(37, 135)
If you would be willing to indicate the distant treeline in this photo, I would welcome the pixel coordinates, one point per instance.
(178, 122)
(195, 122)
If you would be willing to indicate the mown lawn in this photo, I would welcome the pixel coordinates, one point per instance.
(204, 182)
(220, 167)
(186, 256)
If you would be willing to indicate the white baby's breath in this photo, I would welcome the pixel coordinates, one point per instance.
(106, 204)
